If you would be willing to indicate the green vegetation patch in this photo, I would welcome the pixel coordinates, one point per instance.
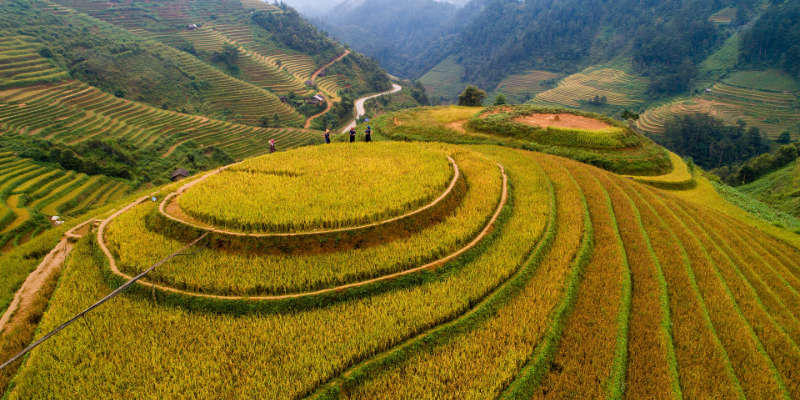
(617, 149)
(769, 80)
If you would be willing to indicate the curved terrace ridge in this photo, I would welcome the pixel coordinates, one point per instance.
(114, 268)
(163, 209)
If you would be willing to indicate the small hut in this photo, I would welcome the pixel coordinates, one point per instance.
(316, 100)
(179, 174)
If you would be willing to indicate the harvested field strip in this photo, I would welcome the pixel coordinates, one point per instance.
(602, 305)
(777, 344)
(755, 370)
(703, 364)
(652, 366)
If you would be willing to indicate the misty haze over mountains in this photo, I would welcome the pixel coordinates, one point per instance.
(318, 8)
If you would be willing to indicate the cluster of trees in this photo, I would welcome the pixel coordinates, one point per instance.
(711, 143)
(667, 39)
(598, 101)
(92, 157)
(775, 38)
(471, 97)
(669, 52)
(758, 166)
(228, 58)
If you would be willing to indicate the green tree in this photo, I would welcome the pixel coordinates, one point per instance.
(785, 138)
(471, 97)
(500, 100)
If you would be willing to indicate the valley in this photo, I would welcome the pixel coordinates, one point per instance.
(539, 199)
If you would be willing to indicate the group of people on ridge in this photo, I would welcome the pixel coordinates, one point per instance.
(367, 135)
(327, 135)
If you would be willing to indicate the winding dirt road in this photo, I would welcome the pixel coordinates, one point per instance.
(359, 105)
(328, 101)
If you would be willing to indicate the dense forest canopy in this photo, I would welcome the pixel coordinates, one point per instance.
(291, 30)
(665, 40)
(711, 143)
(395, 32)
(775, 38)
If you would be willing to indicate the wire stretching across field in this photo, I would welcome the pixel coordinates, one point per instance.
(277, 356)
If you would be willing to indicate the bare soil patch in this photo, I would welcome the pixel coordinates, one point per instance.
(569, 121)
(457, 126)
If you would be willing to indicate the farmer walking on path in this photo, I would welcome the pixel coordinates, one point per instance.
(327, 136)
(272, 145)
(368, 134)
(352, 135)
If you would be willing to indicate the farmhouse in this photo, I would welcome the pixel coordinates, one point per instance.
(179, 174)
(316, 100)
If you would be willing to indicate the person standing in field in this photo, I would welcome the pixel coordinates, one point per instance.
(352, 135)
(327, 136)
(368, 134)
(272, 145)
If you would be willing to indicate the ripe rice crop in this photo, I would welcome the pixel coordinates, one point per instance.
(681, 176)
(351, 185)
(447, 371)
(279, 356)
(588, 285)
(703, 365)
(227, 273)
(603, 305)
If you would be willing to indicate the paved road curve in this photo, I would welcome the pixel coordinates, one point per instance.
(360, 111)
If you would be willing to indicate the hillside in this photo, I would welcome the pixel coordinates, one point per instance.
(126, 93)
(395, 33)
(222, 59)
(475, 243)
(780, 189)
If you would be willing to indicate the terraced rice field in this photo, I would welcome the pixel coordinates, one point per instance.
(299, 65)
(72, 112)
(586, 282)
(724, 16)
(771, 111)
(522, 87)
(30, 193)
(21, 64)
(234, 99)
(618, 87)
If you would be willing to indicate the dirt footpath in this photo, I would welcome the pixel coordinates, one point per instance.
(21, 306)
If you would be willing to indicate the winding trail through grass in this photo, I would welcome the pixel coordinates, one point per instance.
(17, 311)
(329, 98)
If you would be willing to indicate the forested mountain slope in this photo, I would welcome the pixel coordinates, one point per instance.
(106, 98)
